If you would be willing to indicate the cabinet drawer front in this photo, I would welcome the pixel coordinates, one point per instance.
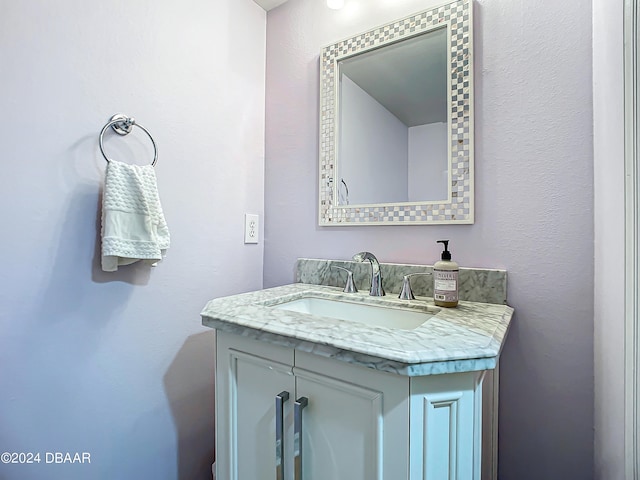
(256, 348)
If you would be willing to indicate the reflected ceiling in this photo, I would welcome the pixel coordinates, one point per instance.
(409, 78)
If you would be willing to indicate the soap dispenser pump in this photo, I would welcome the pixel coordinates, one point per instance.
(445, 279)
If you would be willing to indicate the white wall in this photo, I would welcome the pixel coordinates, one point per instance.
(375, 145)
(534, 202)
(118, 365)
(608, 112)
(428, 162)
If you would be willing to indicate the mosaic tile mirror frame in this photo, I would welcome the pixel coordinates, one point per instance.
(458, 207)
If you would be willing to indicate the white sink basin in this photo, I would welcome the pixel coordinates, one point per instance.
(366, 313)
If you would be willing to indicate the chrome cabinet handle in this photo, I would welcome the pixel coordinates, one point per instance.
(297, 436)
(280, 399)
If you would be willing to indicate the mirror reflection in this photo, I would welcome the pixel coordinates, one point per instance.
(393, 122)
(396, 122)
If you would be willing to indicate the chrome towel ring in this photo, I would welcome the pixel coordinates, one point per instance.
(122, 125)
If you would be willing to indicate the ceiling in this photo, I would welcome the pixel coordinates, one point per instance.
(408, 78)
(269, 4)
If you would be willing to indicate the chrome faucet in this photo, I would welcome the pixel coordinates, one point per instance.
(376, 274)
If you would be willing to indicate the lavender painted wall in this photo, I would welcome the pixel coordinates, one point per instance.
(609, 185)
(534, 202)
(118, 365)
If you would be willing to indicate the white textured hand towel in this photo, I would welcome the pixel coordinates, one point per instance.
(133, 225)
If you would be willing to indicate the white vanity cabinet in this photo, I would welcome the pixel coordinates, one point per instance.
(354, 426)
(358, 424)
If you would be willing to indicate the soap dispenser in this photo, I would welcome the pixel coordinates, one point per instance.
(445, 279)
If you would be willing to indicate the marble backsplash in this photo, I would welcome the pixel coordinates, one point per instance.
(475, 284)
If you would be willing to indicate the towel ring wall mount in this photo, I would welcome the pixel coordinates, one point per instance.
(122, 125)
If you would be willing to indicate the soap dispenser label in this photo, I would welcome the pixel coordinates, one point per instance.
(445, 285)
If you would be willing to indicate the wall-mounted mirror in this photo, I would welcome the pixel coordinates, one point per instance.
(396, 122)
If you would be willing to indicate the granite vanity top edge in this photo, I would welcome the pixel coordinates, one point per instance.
(360, 359)
(453, 335)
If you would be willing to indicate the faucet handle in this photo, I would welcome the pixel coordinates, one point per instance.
(406, 293)
(349, 287)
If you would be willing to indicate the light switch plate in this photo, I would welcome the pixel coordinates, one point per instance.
(251, 228)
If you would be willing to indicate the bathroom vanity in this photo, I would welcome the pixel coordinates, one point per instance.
(316, 383)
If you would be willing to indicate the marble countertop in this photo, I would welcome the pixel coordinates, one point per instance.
(467, 338)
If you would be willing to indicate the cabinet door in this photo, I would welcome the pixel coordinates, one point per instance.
(249, 375)
(355, 426)
(446, 426)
